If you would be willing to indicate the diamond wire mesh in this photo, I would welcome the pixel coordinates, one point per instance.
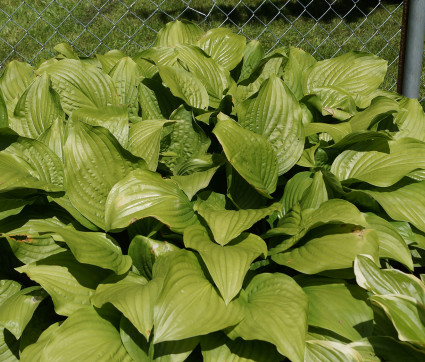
(29, 29)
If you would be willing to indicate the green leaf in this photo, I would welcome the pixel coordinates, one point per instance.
(144, 140)
(224, 46)
(295, 189)
(134, 296)
(185, 86)
(380, 108)
(380, 168)
(185, 139)
(144, 193)
(27, 163)
(391, 243)
(7, 289)
(387, 281)
(217, 347)
(144, 251)
(30, 249)
(66, 50)
(316, 194)
(295, 70)
(175, 351)
(252, 56)
(406, 314)
(211, 75)
(9, 346)
(275, 312)
(54, 137)
(338, 307)
(410, 120)
(250, 154)
(125, 75)
(178, 32)
(134, 342)
(276, 115)
(389, 348)
(227, 264)
(33, 352)
(17, 310)
(336, 131)
(357, 73)
(188, 304)
(113, 118)
(228, 224)
(318, 351)
(80, 85)
(85, 336)
(298, 223)
(405, 202)
(4, 119)
(109, 59)
(97, 249)
(156, 101)
(69, 283)
(36, 109)
(13, 82)
(194, 182)
(94, 162)
(329, 252)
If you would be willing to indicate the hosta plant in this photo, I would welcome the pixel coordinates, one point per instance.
(203, 200)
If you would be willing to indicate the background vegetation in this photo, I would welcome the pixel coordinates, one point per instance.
(36, 26)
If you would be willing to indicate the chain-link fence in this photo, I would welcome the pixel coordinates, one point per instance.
(30, 29)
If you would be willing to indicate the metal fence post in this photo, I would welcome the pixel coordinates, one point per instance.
(414, 48)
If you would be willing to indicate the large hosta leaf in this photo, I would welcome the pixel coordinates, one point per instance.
(144, 140)
(194, 182)
(250, 154)
(13, 82)
(17, 310)
(134, 296)
(96, 249)
(387, 281)
(380, 168)
(178, 32)
(295, 70)
(80, 85)
(144, 193)
(224, 46)
(355, 72)
(227, 264)
(69, 283)
(391, 243)
(36, 109)
(328, 252)
(218, 347)
(318, 351)
(113, 118)
(228, 224)
(338, 307)
(410, 120)
(94, 162)
(54, 137)
(406, 314)
(33, 352)
(27, 163)
(188, 304)
(276, 115)
(9, 346)
(297, 223)
(185, 86)
(404, 203)
(211, 75)
(186, 140)
(275, 312)
(85, 336)
(125, 75)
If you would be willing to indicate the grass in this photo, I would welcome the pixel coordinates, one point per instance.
(29, 30)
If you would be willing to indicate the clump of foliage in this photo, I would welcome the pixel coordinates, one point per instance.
(206, 200)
